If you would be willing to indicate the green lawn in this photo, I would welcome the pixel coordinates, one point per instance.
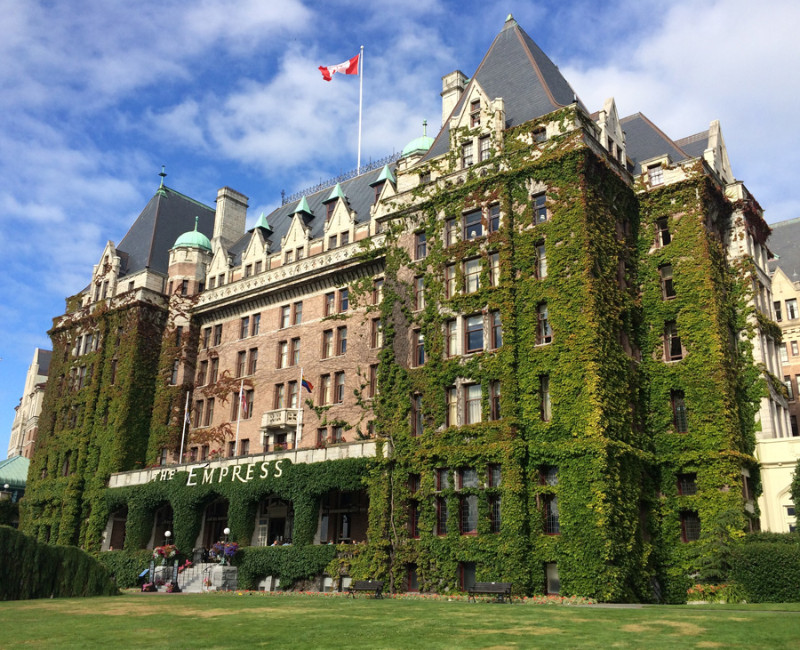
(224, 621)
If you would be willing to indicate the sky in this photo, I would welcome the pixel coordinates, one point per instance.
(96, 95)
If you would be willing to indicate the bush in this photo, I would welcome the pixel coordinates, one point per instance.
(768, 572)
(126, 566)
(289, 563)
(33, 570)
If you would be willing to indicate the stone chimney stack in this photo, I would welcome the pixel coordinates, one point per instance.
(453, 86)
(230, 218)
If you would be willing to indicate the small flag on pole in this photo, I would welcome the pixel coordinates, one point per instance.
(306, 384)
(347, 67)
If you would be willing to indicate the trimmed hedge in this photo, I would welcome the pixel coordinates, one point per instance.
(289, 563)
(769, 572)
(33, 570)
(126, 566)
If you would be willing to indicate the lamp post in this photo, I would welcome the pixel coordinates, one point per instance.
(226, 532)
(167, 535)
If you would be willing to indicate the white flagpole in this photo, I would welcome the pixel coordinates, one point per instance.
(238, 420)
(185, 422)
(360, 98)
(299, 428)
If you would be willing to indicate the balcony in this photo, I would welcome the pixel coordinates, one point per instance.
(285, 419)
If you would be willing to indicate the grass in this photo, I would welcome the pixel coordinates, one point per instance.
(230, 620)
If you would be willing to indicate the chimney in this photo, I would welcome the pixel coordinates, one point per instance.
(230, 218)
(453, 86)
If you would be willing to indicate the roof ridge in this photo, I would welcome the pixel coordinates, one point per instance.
(652, 124)
(189, 198)
(689, 139)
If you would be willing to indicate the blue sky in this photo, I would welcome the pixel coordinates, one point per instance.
(98, 94)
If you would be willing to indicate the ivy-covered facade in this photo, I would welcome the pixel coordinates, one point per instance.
(523, 352)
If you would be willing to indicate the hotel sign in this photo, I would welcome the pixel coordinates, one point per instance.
(244, 473)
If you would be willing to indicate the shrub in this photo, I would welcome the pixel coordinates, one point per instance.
(126, 566)
(31, 569)
(768, 572)
(289, 563)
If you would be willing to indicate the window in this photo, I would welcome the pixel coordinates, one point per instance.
(206, 337)
(473, 226)
(373, 380)
(198, 413)
(451, 415)
(214, 371)
(472, 275)
(539, 207)
(787, 381)
(209, 418)
(327, 344)
(472, 403)
(204, 452)
(202, 373)
(494, 218)
(377, 291)
(449, 280)
(484, 148)
(655, 174)
(416, 415)
(794, 348)
(541, 261)
(419, 293)
(545, 409)
(244, 327)
(552, 525)
(299, 253)
(475, 113)
(330, 303)
(288, 257)
(297, 313)
(494, 269)
(244, 447)
(553, 585)
(286, 314)
(231, 449)
(413, 520)
(673, 351)
(544, 334)
(339, 394)
(467, 159)
(295, 352)
(377, 191)
(441, 516)
(469, 514)
(473, 333)
(322, 437)
(540, 134)
(663, 235)
(450, 338)
(279, 397)
(496, 339)
(344, 238)
(258, 267)
(667, 287)
(679, 418)
(283, 354)
(777, 306)
(793, 422)
(376, 333)
(494, 400)
(687, 484)
(252, 361)
(419, 348)
(247, 405)
(420, 246)
(329, 209)
(241, 363)
(217, 334)
(344, 300)
(255, 324)
(784, 354)
(248, 270)
(494, 476)
(690, 526)
(341, 340)
(450, 232)
(494, 514)
(173, 380)
(212, 282)
(193, 455)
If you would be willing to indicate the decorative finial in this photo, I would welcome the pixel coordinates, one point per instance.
(424, 128)
(163, 174)
(509, 17)
(196, 221)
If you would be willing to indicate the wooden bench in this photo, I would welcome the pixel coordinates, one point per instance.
(366, 585)
(501, 590)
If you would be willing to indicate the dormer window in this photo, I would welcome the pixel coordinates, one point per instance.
(378, 190)
(475, 113)
(331, 207)
(655, 174)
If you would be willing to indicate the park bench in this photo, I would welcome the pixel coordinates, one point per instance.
(366, 585)
(501, 590)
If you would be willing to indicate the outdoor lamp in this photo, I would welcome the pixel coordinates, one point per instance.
(167, 535)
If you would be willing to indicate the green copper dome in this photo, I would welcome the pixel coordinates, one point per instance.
(193, 239)
(418, 145)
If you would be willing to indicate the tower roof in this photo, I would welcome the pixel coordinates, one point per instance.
(193, 239)
(516, 69)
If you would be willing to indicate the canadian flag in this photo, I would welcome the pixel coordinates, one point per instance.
(348, 67)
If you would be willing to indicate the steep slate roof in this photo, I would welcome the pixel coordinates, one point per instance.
(694, 145)
(14, 471)
(166, 217)
(784, 242)
(644, 140)
(360, 197)
(515, 69)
